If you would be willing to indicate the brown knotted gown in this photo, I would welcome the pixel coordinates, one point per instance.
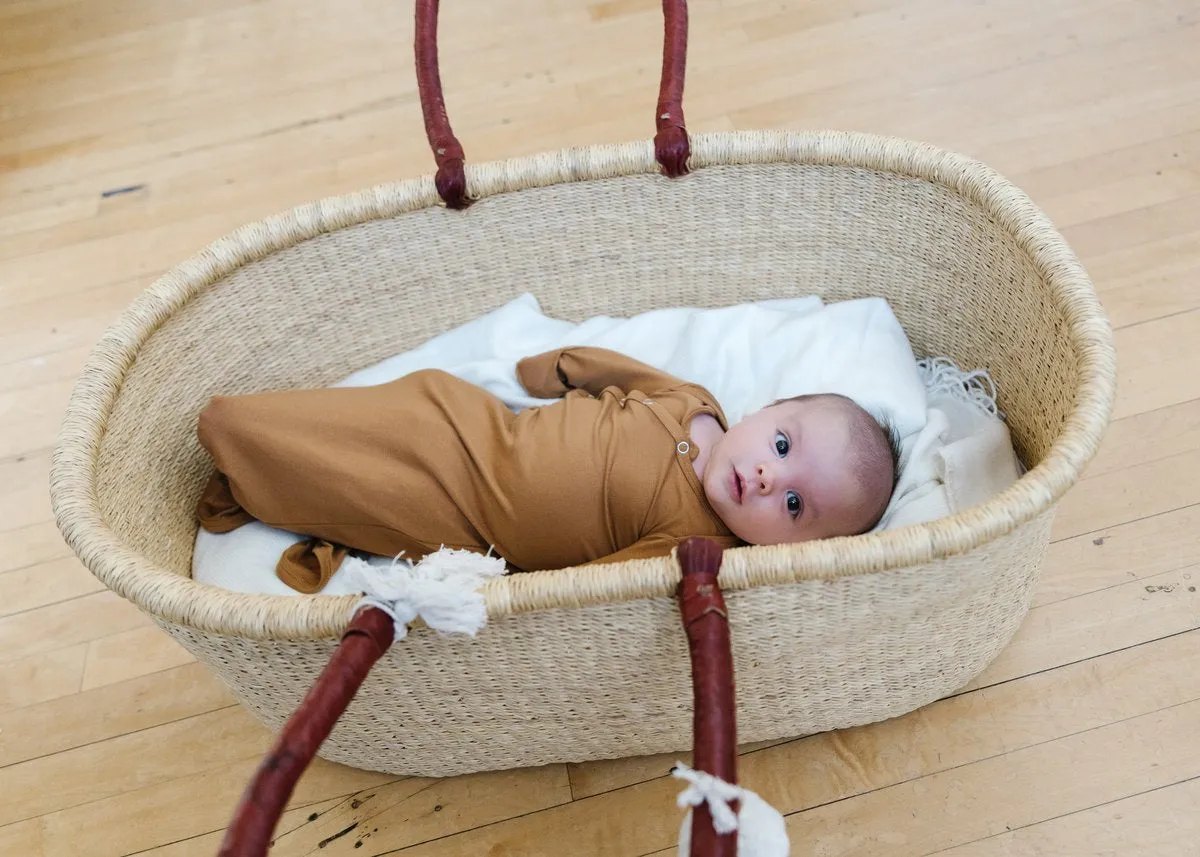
(430, 460)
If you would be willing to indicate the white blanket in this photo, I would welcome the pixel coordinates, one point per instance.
(956, 450)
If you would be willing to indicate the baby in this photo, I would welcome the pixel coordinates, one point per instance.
(627, 464)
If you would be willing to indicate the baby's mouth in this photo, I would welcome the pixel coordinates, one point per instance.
(738, 487)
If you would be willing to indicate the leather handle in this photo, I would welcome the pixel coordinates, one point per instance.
(672, 148)
(714, 726)
(451, 178)
(369, 635)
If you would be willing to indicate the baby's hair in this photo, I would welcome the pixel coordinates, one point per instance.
(889, 432)
(892, 435)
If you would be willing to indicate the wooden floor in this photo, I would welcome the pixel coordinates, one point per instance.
(133, 132)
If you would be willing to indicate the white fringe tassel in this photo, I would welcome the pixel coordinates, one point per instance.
(942, 377)
(761, 829)
(442, 589)
(705, 788)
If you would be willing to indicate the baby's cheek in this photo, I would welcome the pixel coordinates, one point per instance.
(762, 524)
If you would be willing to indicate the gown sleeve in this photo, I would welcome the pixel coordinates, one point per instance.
(555, 373)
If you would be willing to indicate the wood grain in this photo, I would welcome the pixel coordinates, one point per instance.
(45, 583)
(1158, 821)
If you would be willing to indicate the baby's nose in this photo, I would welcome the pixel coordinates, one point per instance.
(764, 479)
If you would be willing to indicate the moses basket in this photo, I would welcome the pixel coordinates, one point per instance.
(579, 664)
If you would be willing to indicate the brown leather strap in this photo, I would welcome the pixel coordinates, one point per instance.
(714, 735)
(369, 635)
(451, 179)
(671, 145)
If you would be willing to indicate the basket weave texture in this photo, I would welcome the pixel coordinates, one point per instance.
(591, 663)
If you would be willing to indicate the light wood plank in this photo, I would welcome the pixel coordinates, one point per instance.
(606, 775)
(1108, 620)
(1157, 822)
(1147, 437)
(946, 111)
(403, 813)
(983, 799)
(131, 654)
(35, 34)
(26, 546)
(96, 715)
(22, 838)
(1158, 195)
(1169, 155)
(32, 415)
(50, 324)
(26, 499)
(108, 260)
(132, 761)
(336, 89)
(207, 844)
(45, 583)
(47, 367)
(1169, 542)
(87, 666)
(991, 724)
(138, 820)
(1133, 492)
(880, 41)
(1157, 368)
(42, 677)
(1146, 281)
(60, 626)
(1136, 226)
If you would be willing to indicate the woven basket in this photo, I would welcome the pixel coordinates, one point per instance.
(590, 663)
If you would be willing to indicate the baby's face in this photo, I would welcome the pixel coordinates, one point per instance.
(780, 475)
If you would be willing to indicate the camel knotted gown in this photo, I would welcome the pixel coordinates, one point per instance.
(429, 460)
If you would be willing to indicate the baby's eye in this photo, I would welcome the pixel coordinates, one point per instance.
(781, 444)
(794, 504)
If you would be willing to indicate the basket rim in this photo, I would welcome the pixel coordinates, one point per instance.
(179, 600)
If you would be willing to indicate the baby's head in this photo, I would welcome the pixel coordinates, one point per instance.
(809, 467)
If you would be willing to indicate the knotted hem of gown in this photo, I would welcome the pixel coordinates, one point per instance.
(306, 566)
